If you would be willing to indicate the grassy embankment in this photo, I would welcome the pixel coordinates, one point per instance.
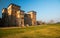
(42, 31)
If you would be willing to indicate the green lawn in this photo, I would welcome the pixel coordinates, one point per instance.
(41, 31)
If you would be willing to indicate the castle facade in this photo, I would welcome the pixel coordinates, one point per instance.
(14, 16)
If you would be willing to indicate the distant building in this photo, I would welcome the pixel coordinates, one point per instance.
(14, 16)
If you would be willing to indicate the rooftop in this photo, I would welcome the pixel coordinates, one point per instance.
(14, 5)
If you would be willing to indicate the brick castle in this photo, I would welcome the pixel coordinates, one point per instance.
(14, 16)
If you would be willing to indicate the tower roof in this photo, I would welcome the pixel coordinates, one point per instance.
(14, 5)
(4, 8)
(22, 10)
(32, 11)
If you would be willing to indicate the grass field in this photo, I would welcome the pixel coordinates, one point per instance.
(41, 31)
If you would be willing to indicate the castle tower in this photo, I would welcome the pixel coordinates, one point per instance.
(4, 16)
(20, 18)
(33, 17)
(12, 11)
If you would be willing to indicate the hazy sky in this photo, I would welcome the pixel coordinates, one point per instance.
(46, 9)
